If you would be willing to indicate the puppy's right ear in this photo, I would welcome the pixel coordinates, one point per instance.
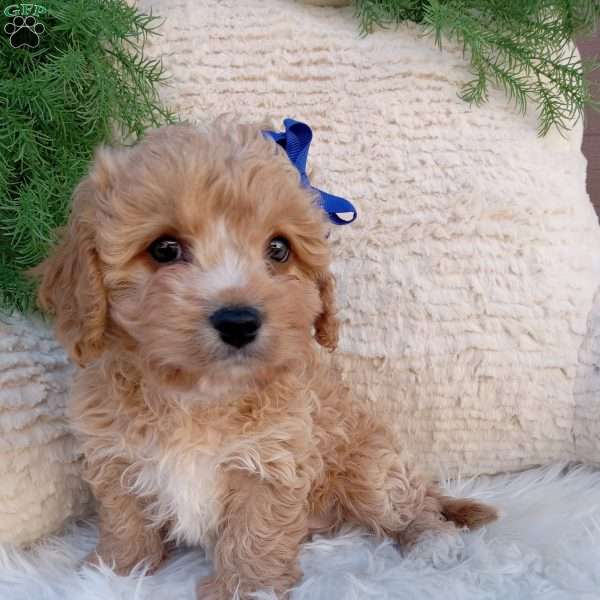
(327, 325)
(71, 285)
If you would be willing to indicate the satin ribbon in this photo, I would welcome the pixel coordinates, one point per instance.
(295, 140)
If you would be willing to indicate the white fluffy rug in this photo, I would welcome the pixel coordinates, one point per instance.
(546, 545)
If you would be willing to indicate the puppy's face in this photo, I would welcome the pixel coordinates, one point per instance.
(198, 250)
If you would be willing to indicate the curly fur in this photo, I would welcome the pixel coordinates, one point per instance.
(246, 452)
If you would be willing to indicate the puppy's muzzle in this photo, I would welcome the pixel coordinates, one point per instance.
(237, 325)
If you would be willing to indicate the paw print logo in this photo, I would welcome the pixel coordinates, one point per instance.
(24, 32)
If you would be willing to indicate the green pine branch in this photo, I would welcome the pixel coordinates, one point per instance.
(521, 46)
(88, 81)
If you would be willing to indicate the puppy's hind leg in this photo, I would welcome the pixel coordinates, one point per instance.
(377, 488)
(441, 512)
(465, 512)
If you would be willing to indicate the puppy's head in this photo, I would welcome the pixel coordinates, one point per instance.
(198, 250)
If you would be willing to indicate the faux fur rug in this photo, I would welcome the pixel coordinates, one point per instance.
(546, 545)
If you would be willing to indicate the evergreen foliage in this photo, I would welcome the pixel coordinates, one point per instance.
(522, 46)
(88, 81)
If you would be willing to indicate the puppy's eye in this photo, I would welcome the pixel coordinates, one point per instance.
(278, 249)
(165, 249)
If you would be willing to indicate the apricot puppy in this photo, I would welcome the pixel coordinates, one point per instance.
(190, 286)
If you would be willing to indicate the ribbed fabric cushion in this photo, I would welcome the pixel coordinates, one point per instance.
(39, 462)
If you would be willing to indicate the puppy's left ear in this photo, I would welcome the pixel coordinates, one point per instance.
(71, 284)
(327, 325)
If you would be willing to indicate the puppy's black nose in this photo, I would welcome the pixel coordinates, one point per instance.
(237, 325)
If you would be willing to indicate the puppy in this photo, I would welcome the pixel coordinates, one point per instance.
(190, 286)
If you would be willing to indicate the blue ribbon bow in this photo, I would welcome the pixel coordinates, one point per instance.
(296, 141)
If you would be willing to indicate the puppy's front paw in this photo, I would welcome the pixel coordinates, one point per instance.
(215, 588)
(212, 588)
(123, 567)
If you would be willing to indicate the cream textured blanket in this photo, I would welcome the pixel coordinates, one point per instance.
(467, 287)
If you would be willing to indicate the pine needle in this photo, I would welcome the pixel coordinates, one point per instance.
(88, 78)
(521, 46)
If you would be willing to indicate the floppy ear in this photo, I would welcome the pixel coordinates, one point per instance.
(71, 283)
(327, 325)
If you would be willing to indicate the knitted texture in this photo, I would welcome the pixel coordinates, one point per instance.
(466, 283)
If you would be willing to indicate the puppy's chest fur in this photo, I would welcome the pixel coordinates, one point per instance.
(184, 486)
(184, 474)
